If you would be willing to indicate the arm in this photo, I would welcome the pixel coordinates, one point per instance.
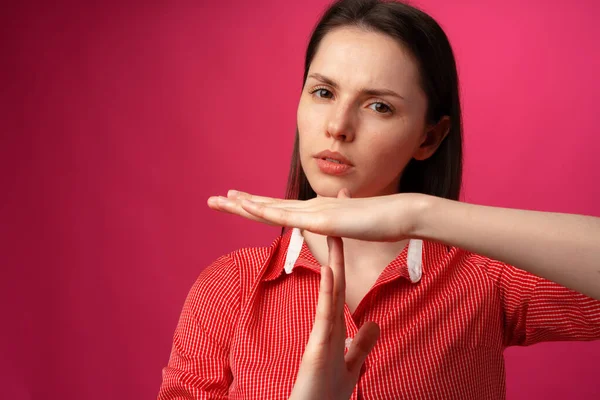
(562, 248)
(537, 310)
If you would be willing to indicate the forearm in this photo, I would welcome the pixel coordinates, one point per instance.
(562, 248)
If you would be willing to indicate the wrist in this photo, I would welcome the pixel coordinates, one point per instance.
(422, 209)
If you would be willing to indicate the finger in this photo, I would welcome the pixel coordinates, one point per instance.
(303, 219)
(336, 262)
(222, 204)
(344, 194)
(237, 195)
(321, 332)
(234, 201)
(361, 346)
(268, 201)
(271, 201)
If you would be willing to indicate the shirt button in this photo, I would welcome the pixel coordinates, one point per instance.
(348, 342)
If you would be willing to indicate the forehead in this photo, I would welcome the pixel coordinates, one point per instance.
(361, 58)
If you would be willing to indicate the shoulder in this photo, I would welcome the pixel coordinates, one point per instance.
(233, 273)
(445, 256)
(502, 274)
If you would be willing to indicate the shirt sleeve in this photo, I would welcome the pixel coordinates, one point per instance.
(198, 367)
(538, 310)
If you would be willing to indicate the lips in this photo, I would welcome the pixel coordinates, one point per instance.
(333, 163)
(334, 157)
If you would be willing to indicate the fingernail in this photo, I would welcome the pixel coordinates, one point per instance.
(222, 200)
(232, 193)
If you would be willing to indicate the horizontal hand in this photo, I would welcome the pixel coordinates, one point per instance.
(384, 218)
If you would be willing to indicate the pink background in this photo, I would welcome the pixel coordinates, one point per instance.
(118, 121)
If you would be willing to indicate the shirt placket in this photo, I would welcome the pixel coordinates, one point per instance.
(351, 331)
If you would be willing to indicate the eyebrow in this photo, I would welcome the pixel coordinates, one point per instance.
(370, 92)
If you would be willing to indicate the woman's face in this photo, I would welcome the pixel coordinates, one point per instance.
(361, 116)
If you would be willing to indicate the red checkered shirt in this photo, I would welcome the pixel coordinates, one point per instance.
(245, 324)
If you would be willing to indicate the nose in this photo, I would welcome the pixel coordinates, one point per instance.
(341, 125)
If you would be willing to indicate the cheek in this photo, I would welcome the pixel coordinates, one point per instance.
(308, 123)
(305, 117)
(389, 154)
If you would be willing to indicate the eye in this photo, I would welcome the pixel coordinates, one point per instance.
(322, 93)
(381, 108)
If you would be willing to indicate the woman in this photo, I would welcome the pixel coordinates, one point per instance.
(424, 293)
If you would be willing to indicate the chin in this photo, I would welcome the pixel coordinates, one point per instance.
(323, 189)
(331, 186)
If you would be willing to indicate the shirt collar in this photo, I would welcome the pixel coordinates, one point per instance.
(404, 266)
(305, 258)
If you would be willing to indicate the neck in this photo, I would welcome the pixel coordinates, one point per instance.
(360, 256)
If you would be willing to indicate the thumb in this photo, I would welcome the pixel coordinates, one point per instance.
(361, 346)
(344, 194)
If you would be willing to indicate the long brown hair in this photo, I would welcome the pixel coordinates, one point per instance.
(441, 174)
